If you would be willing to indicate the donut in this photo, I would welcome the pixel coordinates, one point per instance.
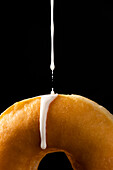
(75, 125)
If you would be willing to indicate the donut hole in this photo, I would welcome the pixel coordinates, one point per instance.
(56, 160)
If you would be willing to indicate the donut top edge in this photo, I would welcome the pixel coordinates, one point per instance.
(73, 96)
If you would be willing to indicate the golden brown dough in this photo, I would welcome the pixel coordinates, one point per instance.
(78, 126)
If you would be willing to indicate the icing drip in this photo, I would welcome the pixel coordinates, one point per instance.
(44, 106)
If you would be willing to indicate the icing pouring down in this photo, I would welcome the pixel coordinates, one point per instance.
(44, 106)
(47, 99)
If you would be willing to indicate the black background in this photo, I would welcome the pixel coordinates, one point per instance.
(83, 54)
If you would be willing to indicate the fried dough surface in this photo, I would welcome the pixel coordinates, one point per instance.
(75, 125)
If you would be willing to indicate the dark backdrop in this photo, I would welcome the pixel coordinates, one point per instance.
(83, 53)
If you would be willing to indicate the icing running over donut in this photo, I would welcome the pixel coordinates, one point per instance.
(44, 106)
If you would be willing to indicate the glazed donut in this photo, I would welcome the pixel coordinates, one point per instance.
(75, 125)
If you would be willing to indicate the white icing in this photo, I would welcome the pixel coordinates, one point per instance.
(52, 66)
(52, 92)
(44, 106)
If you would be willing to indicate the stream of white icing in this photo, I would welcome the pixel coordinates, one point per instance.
(44, 106)
(47, 99)
(52, 66)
